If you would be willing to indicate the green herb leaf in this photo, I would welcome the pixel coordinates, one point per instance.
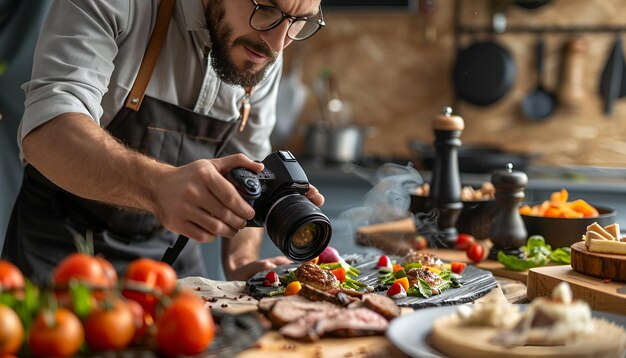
(562, 256)
(424, 288)
(514, 263)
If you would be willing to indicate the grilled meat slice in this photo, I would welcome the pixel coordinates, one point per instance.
(265, 304)
(288, 310)
(356, 322)
(338, 322)
(349, 292)
(425, 274)
(382, 305)
(316, 276)
(423, 258)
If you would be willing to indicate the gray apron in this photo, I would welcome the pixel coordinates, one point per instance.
(43, 218)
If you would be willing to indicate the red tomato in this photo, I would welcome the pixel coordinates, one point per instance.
(419, 243)
(61, 339)
(464, 241)
(82, 267)
(109, 270)
(110, 326)
(457, 267)
(148, 275)
(186, 327)
(11, 277)
(11, 331)
(476, 252)
(141, 320)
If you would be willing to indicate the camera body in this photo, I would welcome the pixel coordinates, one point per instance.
(299, 228)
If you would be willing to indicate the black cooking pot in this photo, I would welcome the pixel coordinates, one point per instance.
(474, 159)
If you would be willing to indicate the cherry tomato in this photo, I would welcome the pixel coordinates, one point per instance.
(141, 319)
(11, 277)
(111, 326)
(149, 275)
(11, 331)
(109, 271)
(464, 241)
(83, 267)
(185, 328)
(419, 243)
(457, 267)
(476, 252)
(60, 336)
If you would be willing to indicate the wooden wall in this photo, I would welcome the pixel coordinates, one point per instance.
(397, 83)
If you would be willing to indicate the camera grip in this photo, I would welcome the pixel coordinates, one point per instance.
(246, 182)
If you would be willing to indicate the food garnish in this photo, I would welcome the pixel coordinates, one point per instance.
(384, 264)
(271, 280)
(535, 253)
(396, 291)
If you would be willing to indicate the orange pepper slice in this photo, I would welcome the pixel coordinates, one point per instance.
(404, 281)
(293, 288)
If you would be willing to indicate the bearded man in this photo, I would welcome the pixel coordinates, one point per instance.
(135, 112)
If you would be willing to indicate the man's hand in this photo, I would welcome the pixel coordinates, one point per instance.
(245, 272)
(314, 195)
(196, 200)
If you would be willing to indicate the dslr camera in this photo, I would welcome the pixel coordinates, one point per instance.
(294, 224)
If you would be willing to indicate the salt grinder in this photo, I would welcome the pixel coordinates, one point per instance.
(445, 186)
(508, 232)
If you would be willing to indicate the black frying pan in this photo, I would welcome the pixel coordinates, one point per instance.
(540, 103)
(483, 73)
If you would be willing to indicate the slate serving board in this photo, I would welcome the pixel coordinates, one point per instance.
(475, 283)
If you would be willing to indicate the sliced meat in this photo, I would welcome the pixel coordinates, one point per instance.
(316, 295)
(356, 322)
(265, 304)
(352, 293)
(423, 258)
(304, 328)
(425, 274)
(316, 276)
(287, 311)
(333, 296)
(339, 322)
(382, 305)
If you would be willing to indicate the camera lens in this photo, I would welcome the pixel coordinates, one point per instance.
(297, 227)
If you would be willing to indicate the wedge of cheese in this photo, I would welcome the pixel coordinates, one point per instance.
(608, 247)
(605, 240)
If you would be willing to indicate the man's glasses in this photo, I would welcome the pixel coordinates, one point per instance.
(265, 17)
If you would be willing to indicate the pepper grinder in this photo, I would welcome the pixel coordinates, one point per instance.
(508, 232)
(445, 186)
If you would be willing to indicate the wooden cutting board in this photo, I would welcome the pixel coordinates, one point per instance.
(602, 295)
(605, 266)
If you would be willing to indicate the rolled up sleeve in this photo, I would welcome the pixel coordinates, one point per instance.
(73, 60)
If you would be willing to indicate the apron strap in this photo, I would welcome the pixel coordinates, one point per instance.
(164, 14)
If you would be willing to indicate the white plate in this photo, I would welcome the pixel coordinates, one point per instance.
(409, 332)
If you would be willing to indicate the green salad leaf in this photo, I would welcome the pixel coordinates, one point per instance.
(535, 253)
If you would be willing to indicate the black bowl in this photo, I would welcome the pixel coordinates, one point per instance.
(563, 232)
(475, 217)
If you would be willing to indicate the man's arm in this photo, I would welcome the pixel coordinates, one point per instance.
(194, 200)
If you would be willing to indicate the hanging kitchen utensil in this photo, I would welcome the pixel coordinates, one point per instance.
(531, 4)
(571, 85)
(428, 31)
(483, 72)
(540, 103)
(613, 79)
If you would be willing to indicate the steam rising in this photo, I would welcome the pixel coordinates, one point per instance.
(389, 200)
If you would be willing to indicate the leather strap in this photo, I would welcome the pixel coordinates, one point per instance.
(164, 14)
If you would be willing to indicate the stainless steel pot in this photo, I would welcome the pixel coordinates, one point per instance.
(335, 144)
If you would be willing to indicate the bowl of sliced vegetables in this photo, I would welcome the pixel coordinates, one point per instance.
(561, 220)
